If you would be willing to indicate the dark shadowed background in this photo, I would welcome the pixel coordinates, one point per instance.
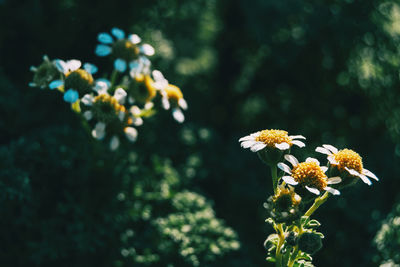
(328, 70)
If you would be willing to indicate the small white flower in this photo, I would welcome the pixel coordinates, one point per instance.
(308, 174)
(270, 138)
(125, 49)
(347, 160)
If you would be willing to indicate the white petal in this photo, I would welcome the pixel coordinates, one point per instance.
(148, 105)
(131, 133)
(289, 180)
(313, 190)
(120, 34)
(352, 172)
(309, 159)
(178, 115)
(120, 65)
(332, 160)
(137, 121)
(331, 190)
(121, 115)
(71, 96)
(55, 84)
(323, 150)
(369, 174)
(331, 148)
(247, 144)
(99, 131)
(282, 146)
(135, 110)
(147, 49)
(103, 50)
(92, 69)
(120, 95)
(324, 168)
(73, 64)
(334, 180)
(33, 69)
(165, 103)
(87, 100)
(182, 103)
(365, 179)
(104, 38)
(134, 38)
(61, 65)
(298, 143)
(257, 146)
(284, 167)
(247, 138)
(32, 84)
(292, 159)
(114, 143)
(297, 137)
(101, 87)
(88, 115)
(157, 75)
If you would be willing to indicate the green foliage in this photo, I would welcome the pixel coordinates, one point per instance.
(242, 67)
(387, 240)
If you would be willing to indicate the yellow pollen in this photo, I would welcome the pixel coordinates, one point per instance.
(80, 80)
(109, 103)
(310, 174)
(173, 92)
(348, 158)
(272, 137)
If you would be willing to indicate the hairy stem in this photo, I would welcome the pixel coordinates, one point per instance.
(317, 202)
(274, 174)
(278, 255)
(113, 78)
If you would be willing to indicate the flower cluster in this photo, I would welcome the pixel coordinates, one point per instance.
(299, 183)
(116, 106)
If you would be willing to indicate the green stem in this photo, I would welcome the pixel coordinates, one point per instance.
(317, 202)
(278, 255)
(294, 256)
(274, 174)
(113, 78)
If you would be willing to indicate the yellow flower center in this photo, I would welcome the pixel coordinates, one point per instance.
(142, 89)
(79, 80)
(310, 174)
(174, 94)
(272, 137)
(125, 49)
(348, 158)
(106, 108)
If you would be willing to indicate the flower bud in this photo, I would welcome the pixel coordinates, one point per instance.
(310, 243)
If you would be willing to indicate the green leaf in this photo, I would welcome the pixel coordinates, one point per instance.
(270, 259)
(313, 224)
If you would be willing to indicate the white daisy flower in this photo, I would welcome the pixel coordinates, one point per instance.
(347, 160)
(172, 96)
(270, 138)
(125, 49)
(309, 175)
(76, 81)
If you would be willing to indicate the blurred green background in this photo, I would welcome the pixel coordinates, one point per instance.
(328, 70)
